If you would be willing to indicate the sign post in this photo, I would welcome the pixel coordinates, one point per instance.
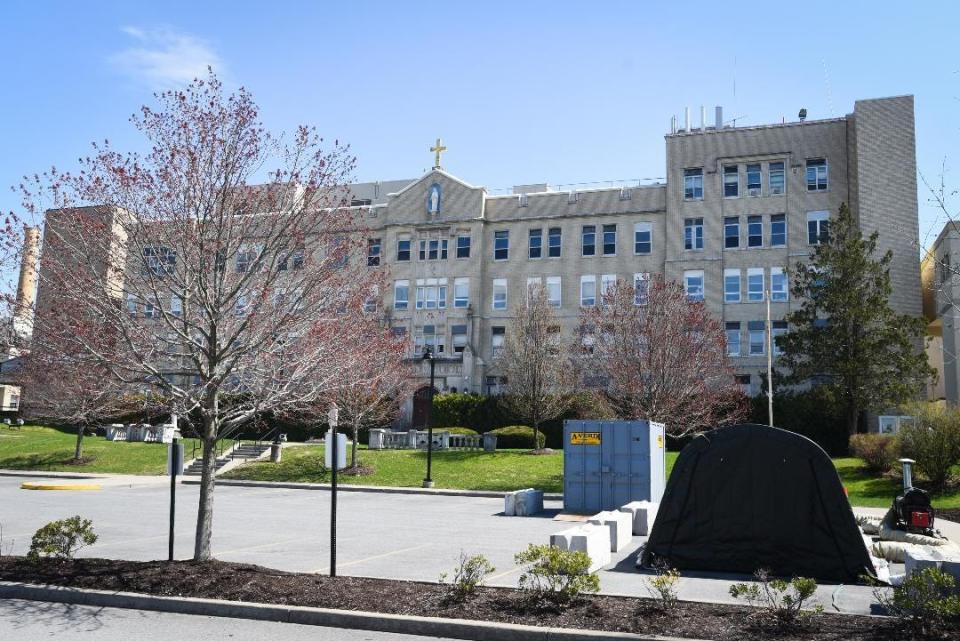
(175, 461)
(332, 418)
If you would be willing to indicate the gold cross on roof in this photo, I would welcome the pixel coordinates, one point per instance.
(437, 150)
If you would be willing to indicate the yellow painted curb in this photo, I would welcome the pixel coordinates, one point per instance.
(54, 486)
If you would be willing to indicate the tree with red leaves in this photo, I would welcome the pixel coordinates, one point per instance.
(170, 274)
(660, 356)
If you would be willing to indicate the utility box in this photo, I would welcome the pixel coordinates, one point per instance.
(607, 464)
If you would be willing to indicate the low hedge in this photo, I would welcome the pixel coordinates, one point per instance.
(516, 437)
(465, 431)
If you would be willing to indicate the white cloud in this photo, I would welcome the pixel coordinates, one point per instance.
(165, 59)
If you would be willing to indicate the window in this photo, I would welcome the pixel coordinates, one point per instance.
(176, 305)
(731, 285)
(588, 291)
(818, 227)
(779, 329)
(817, 174)
(642, 238)
(497, 335)
(373, 252)
(148, 310)
(946, 272)
(536, 243)
(743, 380)
(430, 337)
(776, 179)
(693, 283)
(532, 284)
(754, 231)
(131, 304)
(459, 333)
(554, 241)
(609, 240)
(401, 294)
(403, 248)
(461, 293)
(158, 261)
(778, 285)
(731, 181)
(433, 249)
(432, 293)
(588, 241)
(755, 284)
(607, 281)
(463, 246)
(693, 233)
(246, 257)
(758, 338)
(731, 232)
(297, 256)
(554, 290)
(501, 245)
(778, 230)
(892, 424)
(280, 297)
(754, 180)
(500, 293)
(641, 288)
(733, 339)
(242, 305)
(693, 184)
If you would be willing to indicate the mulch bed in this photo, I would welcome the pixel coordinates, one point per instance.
(240, 582)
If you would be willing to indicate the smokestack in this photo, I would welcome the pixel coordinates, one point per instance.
(703, 118)
(673, 124)
(719, 117)
(686, 119)
(27, 284)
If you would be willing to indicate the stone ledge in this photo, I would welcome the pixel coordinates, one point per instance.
(355, 620)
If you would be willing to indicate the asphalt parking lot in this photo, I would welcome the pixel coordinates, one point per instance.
(401, 536)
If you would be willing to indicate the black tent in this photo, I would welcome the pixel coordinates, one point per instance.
(746, 497)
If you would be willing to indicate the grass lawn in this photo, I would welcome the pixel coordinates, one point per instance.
(33, 447)
(868, 490)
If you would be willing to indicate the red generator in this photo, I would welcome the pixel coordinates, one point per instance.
(914, 512)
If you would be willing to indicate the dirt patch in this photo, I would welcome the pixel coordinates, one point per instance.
(543, 451)
(79, 462)
(359, 470)
(240, 582)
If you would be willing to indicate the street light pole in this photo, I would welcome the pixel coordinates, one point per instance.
(428, 356)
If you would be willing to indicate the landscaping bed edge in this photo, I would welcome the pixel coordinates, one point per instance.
(355, 620)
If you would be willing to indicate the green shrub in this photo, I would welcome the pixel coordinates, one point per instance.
(780, 601)
(517, 437)
(468, 576)
(663, 587)
(465, 431)
(933, 440)
(878, 451)
(925, 603)
(815, 413)
(62, 539)
(554, 575)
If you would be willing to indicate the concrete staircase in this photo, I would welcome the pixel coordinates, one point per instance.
(243, 453)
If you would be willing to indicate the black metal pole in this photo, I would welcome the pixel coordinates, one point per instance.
(333, 501)
(428, 482)
(174, 465)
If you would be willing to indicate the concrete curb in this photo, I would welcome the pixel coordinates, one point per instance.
(365, 488)
(354, 620)
(51, 475)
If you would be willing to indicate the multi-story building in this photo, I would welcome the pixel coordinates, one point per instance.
(738, 206)
(941, 308)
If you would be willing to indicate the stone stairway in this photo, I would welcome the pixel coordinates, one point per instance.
(244, 453)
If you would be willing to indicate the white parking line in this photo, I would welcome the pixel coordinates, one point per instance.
(326, 569)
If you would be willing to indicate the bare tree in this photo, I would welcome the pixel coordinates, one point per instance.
(536, 363)
(370, 393)
(660, 356)
(230, 301)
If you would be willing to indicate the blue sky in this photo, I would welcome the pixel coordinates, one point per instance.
(520, 92)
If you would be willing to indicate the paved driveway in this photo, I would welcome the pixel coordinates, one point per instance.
(407, 536)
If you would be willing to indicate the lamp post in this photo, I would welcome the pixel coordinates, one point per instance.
(332, 418)
(428, 356)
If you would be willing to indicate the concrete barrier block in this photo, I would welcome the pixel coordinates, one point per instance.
(946, 558)
(620, 525)
(644, 513)
(594, 540)
(523, 502)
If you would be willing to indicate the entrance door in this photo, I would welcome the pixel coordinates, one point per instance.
(421, 403)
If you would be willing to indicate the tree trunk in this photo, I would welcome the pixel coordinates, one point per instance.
(353, 450)
(853, 417)
(536, 434)
(201, 550)
(78, 449)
